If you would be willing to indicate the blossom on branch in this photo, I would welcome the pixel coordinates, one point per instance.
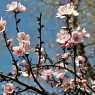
(67, 9)
(18, 50)
(80, 60)
(63, 36)
(47, 74)
(2, 25)
(8, 89)
(76, 37)
(23, 37)
(68, 40)
(15, 6)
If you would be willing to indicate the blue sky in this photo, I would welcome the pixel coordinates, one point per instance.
(28, 24)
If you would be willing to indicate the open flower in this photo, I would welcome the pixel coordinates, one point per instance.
(2, 25)
(21, 7)
(15, 6)
(18, 51)
(63, 36)
(76, 37)
(23, 37)
(12, 6)
(47, 74)
(67, 9)
(25, 46)
(80, 60)
(8, 89)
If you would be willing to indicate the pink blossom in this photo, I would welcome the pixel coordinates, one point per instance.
(67, 9)
(84, 81)
(76, 37)
(68, 44)
(15, 6)
(2, 25)
(23, 37)
(66, 55)
(47, 74)
(93, 87)
(63, 36)
(12, 6)
(25, 46)
(8, 89)
(18, 51)
(21, 8)
(80, 60)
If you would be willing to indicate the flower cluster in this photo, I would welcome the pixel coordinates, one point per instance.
(67, 9)
(8, 89)
(24, 44)
(49, 74)
(69, 70)
(67, 39)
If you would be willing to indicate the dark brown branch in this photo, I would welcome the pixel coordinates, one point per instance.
(28, 61)
(23, 84)
(16, 21)
(13, 58)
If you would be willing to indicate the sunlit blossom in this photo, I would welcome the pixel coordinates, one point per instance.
(67, 9)
(12, 6)
(26, 46)
(21, 7)
(23, 37)
(15, 6)
(8, 89)
(76, 37)
(80, 60)
(47, 74)
(63, 36)
(2, 25)
(18, 51)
